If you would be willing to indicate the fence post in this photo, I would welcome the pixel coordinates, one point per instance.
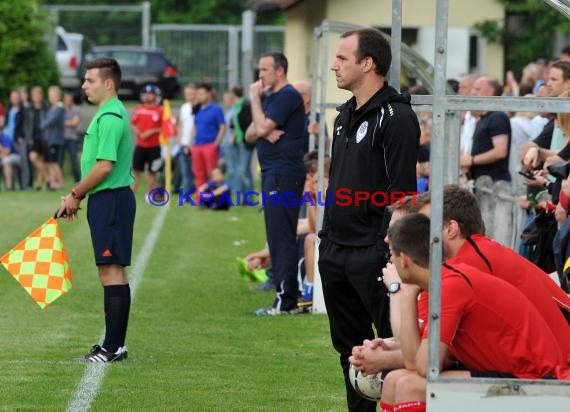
(484, 194)
(247, 36)
(503, 219)
(145, 35)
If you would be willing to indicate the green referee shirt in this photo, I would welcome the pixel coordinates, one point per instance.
(108, 137)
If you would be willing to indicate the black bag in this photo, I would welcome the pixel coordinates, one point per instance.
(540, 232)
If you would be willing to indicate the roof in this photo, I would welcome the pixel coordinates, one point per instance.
(273, 4)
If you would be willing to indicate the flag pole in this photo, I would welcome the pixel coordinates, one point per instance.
(167, 131)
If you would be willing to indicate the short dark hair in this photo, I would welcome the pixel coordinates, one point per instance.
(564, 67)
(566, 50)
(279, 60)
(461, 205)
(237, 90)
(108, 69)
(410, 235)
(373, 44)
(205, 86)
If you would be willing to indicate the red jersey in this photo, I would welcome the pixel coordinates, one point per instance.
(489, 325)
(146, 117)
(550, 300)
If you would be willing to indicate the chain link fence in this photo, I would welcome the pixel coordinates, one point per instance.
(200, 50)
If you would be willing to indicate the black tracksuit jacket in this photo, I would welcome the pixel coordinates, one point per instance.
(374, 151)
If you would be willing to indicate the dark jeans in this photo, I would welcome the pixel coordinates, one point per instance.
(185, 168)
(355, 299)
(281, 227)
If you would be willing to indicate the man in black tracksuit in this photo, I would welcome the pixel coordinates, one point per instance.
(374, 155)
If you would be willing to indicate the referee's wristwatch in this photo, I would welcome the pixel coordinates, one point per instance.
(394, 287)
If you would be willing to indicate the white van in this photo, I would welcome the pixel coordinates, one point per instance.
(68, 55)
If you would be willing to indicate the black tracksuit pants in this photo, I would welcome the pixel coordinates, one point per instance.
(355, 299)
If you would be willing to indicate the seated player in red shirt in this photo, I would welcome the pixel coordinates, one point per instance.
(487, 325)
(464, 242)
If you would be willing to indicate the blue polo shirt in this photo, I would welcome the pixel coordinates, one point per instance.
(207, 122)
(285, 157)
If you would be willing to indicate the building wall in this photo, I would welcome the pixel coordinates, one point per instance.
(302, 19)
(419, 14)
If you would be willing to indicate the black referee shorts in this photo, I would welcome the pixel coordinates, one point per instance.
(111, 217)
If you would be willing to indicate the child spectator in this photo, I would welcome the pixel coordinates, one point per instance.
(215, 194)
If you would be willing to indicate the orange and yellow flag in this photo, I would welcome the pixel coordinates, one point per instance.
(167, 129)
(39, 263)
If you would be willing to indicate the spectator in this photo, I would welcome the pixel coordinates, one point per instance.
(375, 149)
(304, 89)
(227, 161)
(146, 124)
(15, 131)
(33, 116)
(72, 121)
(540, 119)
(311, 237)
(551, 140)
(2, 116)
(53, 126)
(239, 151)
(468, 121)
(521, 127)
(185, 127)
(278, 128)
(491, 138)
(208, 132)
(565, 54)
(24, 96)
(9, 159)
(215, 194)
(255, 267)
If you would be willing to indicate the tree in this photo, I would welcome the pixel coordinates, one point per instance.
(527, 32)
(26, 57)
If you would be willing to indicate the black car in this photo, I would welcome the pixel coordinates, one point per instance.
(141, 66)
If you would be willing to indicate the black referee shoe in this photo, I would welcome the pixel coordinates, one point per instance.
(100, 355)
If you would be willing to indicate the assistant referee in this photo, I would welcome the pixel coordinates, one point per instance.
(106, 178)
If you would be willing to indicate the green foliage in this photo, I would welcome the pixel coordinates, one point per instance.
(26, 57)
(527, 33)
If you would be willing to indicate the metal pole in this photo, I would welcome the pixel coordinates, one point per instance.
(325, 34)
(314, 81)
(247, 43)
(396, 35)
(452, 132)
(436, 186)
(145, 24)
(233, 56)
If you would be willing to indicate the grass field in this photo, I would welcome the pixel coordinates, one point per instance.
(194, 343)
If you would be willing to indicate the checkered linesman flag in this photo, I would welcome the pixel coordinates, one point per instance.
(39, 263)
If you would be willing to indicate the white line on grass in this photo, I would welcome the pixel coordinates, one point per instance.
(95, 372)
